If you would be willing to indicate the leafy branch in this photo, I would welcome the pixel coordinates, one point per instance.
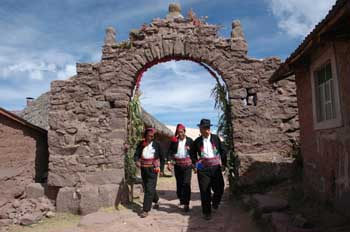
(135, 130)
(225, 128)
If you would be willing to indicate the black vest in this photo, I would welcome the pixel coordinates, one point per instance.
(195, 151)
(174, 145)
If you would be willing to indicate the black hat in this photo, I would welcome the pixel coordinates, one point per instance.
(204, 123)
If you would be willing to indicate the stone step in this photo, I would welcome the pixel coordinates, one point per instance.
(262, 169)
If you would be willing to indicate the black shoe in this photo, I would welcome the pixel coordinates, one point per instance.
(215, 207)
(143, 214)
(207, 217)
(187, 208)
(156, 206)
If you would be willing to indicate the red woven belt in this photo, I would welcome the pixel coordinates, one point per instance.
(209, 162)
(149, 163)
(183, 161)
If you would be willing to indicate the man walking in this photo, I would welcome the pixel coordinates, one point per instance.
(147, 157)
(209, 158)
(178, 155)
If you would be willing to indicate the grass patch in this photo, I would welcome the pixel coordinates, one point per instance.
(60, 221)
(112, 209)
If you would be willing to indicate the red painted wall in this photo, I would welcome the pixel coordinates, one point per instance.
(326, 152)
(21, 146)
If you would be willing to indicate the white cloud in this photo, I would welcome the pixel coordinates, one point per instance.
(36, 75)
(36, 65)
(32, 70)
(298, 17)
(68, 71)
(173, 87)
(58, 58)
(151, 7)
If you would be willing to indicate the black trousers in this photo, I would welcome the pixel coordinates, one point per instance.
(210, 179)
(149, 179)
(162, 164)
(183, 177)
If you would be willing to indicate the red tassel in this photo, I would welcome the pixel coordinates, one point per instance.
(174, 139)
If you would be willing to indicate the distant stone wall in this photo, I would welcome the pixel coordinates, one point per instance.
(88, 114)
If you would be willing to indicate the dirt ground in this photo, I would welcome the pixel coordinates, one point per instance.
(169, 217)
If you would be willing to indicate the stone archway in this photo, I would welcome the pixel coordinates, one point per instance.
(88, 114)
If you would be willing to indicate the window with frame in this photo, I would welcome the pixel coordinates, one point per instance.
(324, 93)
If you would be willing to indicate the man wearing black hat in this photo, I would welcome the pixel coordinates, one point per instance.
(208, 155)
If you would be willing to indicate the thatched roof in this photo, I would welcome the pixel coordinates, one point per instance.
(37, 114)
(150, 121)
(193, 133)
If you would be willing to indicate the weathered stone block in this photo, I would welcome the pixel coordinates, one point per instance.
(29, 219)
(111, 97)
(113, 176)
(61, 179)
(116, 134)
(264, 168)
(89, 199)
(67, 200)
(84, 68)
(5, 222)
(179, 48)
(121, 104)
(108, 194)
(167, 47)
(268, 203)
(118, 123)
(35, 190)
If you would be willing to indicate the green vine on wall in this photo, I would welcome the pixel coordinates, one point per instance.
(135, 130)
(225, 128)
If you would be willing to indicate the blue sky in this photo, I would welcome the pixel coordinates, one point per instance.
(41, 40)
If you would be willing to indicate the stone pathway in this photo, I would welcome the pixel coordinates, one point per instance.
(169, 217)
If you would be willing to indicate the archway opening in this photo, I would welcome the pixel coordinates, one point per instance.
(179, 92)
(172, 91)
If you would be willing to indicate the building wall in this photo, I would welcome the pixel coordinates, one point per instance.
(21, 145)
(326, 151)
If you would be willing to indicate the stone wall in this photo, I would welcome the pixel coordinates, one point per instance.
(88, 115)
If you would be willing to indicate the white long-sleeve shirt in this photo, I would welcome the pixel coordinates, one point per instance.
(207, 148)
(181, 150)
(148, 151)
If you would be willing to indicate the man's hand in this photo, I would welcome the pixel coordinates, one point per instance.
(223, 168)
(138, 164)
(170, 167)
(194, 169)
